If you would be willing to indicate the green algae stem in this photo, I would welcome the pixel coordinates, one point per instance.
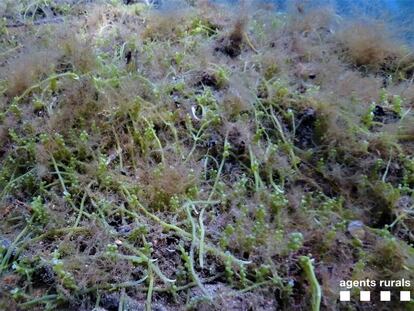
(307, 266)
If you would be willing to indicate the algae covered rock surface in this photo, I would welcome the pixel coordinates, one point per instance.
(198, 156)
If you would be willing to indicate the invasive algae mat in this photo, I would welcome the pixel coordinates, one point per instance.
(201, 157)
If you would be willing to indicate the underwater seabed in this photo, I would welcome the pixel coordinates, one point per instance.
(203, 157)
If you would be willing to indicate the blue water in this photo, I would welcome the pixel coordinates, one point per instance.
(401, 8)
(399, 13)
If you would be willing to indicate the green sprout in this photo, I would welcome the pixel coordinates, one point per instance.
(295, 241)
(307, 265)
(64, 276)
(40, 214)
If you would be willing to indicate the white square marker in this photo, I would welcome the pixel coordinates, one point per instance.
(405, 296)
(364, 295)
(385, 296)
(344, 295)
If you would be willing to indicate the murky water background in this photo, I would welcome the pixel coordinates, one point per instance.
(399, 13)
